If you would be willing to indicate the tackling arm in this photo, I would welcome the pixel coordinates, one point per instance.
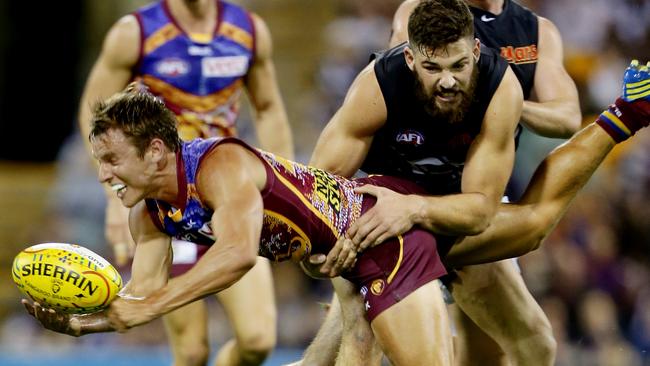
(345, 141)
(556, 109)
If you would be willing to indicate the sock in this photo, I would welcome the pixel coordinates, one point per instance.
(623, 119)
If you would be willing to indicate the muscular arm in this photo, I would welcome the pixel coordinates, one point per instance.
(229, 181)
(270, 117)
(556, 110)
(344, 143)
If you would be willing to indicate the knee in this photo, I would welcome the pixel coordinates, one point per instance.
(254, 348)
(192, 355)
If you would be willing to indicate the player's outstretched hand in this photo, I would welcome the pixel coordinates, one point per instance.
(53, 320)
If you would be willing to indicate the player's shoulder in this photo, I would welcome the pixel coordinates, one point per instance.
(125, 29)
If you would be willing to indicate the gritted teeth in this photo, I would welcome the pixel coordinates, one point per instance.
(117, 187)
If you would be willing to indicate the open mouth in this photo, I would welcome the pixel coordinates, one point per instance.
(447, 96)
(119, 189)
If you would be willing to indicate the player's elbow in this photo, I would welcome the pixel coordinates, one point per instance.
(572, 124)
(480, 216)
(244, 262)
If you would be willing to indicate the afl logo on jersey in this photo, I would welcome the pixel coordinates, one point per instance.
(228, 66)
(172, 67)
(410, 137)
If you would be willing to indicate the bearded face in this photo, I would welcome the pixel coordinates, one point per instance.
(445, 80)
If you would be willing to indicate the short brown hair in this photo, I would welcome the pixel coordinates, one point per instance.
(139, 115)
(433, 24)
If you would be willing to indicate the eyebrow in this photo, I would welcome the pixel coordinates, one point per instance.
(431, 63)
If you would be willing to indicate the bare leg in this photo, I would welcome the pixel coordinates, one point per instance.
(358, 345)
(250, 307)
(322, 351)
(519, 228)
(496, 299)
(470, 341)
(188, 334)
(415, 331)
(345, 338)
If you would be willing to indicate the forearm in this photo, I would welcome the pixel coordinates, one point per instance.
(207, 277)
(555, 119)
(458, 214)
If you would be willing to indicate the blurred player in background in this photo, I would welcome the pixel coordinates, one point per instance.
(533, 47)
(198, 56)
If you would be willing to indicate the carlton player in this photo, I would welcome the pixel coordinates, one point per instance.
(533, 47)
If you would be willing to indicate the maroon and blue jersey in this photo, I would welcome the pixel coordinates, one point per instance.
(305, 209)
(198, 76)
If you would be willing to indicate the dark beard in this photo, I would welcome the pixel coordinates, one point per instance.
(454, 115)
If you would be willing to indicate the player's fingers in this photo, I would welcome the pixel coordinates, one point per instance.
(28, 306)
(365, 224)
(371, 237)
(368, 189)
(382, 238)
(345, 258)
(332, 256)
(349, 261)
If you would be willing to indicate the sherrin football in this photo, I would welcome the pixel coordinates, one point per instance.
(66, 277)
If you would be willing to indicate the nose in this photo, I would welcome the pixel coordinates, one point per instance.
(447, 80)
(104, 173)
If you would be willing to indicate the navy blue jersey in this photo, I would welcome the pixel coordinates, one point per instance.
(514, 33)
(414, 146)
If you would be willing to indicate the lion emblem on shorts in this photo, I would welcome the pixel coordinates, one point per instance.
(377, 287)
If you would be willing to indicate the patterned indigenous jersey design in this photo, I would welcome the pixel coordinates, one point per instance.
(514, 32)
(413, 145)
(200, 80)
(305, 209)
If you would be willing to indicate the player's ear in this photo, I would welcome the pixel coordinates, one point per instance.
(156, 150)
(409, 56)
(477, 50)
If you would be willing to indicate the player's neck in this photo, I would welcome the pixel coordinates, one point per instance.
(195, 16)
(493, 6)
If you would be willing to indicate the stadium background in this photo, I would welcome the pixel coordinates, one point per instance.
(591, 276)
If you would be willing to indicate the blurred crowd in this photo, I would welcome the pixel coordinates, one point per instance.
(591, 276)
